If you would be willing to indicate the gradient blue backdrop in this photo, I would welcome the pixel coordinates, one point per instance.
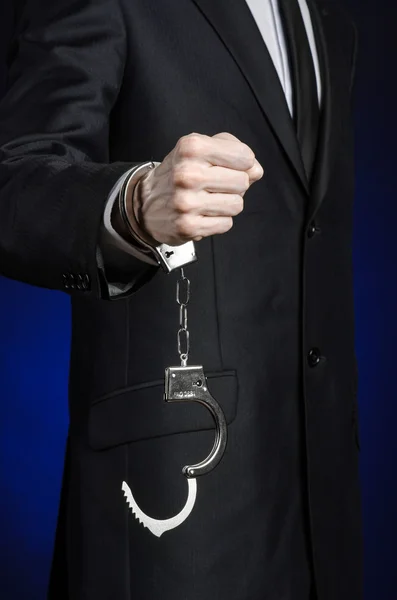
(35, 339)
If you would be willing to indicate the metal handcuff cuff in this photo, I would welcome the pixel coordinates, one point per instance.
(182, 383)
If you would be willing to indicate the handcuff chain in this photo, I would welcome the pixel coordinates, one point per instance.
(183, 288)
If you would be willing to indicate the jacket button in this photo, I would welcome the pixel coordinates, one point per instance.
(86, 283)
(313, 229)
(66, 280)
(80, 282)
(76, 281)
(314, 357)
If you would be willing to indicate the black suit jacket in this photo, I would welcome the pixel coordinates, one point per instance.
(95, 87)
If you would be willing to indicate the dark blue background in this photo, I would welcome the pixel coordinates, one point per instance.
(35, 338)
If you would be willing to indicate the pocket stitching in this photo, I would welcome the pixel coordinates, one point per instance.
(154, 383)
(99, 443)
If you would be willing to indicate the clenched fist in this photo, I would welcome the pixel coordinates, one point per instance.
(197, 189)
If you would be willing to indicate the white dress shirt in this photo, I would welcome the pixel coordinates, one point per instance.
(266, 14)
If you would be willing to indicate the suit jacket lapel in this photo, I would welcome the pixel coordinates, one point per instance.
(235, 25)
(238, 30)
(328, 47)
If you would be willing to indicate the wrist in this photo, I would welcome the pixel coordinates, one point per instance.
(118, 221)
(135, 195)
(130, 224)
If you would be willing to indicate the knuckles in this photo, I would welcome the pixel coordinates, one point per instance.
(185, 176)
(189, 146)
(183, 203)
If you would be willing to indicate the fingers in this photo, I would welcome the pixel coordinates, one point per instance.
(212, 179)
(188, 226)
(210, 204)
(223, 150)
(225, 180)
(255, 173)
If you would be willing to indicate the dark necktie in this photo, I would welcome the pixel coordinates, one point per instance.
(306, 108)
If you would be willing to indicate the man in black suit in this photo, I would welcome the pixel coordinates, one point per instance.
(130, 133)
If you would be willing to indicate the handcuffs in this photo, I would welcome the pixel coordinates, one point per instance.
(182, 383)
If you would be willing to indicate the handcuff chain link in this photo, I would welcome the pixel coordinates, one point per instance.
(182, 298)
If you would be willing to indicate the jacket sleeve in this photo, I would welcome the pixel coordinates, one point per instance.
(64, 77)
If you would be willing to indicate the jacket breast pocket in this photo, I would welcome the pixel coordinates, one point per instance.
(140, 412)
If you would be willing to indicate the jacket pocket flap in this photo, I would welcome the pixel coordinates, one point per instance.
(140, 412)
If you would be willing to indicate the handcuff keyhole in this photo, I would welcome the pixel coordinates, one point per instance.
(199, 383)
